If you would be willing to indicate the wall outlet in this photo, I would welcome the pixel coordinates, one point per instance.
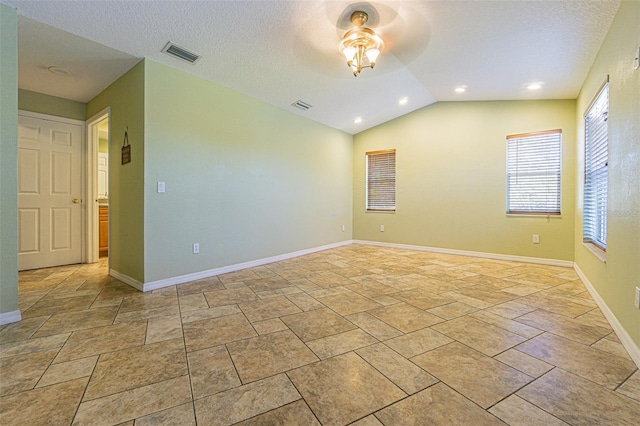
(160, 187)
(637, 297)
(344, 227)
(381, 228)
(196, 248)
(636, 59)
(536, 239)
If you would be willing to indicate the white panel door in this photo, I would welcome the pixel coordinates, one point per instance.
(103, 174)
(49, 193)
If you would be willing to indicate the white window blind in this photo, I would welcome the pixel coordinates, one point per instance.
(533, 173)
(596, 170)
(381, 180)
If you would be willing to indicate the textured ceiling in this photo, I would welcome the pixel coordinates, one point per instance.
(282, 51)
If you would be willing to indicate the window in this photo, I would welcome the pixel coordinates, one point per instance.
(533, 173)
(596, 170)
(381, 180)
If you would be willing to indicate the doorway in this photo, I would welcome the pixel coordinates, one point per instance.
(98, 186)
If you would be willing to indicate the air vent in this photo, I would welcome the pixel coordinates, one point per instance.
(181, 53)
(302, 105)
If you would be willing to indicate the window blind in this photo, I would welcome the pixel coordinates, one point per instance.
(533, 173)
(596, 170)
(381, 180)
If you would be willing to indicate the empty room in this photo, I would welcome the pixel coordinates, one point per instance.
(319, 212)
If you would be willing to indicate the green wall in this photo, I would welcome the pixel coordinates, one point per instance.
(125, 97)
(52, 105)
(616, 279)
(244, 179)
(451, 179)
(8, 161)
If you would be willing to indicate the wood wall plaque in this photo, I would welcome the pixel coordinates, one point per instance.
(126, 148)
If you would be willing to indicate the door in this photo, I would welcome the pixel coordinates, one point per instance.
(49, 193)
(103, 175)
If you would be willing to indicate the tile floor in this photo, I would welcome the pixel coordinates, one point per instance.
(355, 335)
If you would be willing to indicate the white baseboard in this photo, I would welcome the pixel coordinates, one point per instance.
(625, 339)
(9, 317)
(494, 256)
(154, 285)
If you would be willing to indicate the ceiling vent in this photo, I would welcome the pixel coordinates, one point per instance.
(181, 53)
(301, 105)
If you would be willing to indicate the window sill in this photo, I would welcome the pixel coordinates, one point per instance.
(381, 211)
(550, 216)
(597, 251)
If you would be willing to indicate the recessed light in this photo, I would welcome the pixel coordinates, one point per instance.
(58, 71)
(358, 120)
(460, 89)
(534, 86)
(403, 101)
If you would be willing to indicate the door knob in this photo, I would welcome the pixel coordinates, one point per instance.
(76, 201)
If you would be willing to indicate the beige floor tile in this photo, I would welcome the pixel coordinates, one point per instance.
(65, 371)
(135, 403)
(405, 374)
(216, 331)
(452, 310)
(515, 411)
(211, 371)
(404, 317)
(479, 335)
(328, 279)
(246, 401)
(229, 297)
(529, 365)
(316, 324)
(33, 345)
(192, 302)
(215, 312)
(417, 342)
(506, 324)
(242, 275)
(386, 300)
(259, 310)
(200, 286)
(267, 355)
(613, 348)
(296, 413)
(145, 314)
(51, 405)
(455, 364)
(163, 328)
(348, 303)
(21, 330)
(305, 302)
(491, 297)
(371, 288)
(148, 301)
(564, 326)
(22, 372)
(340, 343)
(55, 306)
(511, 309)
(136, 367)
(100, 340)
(370, 420)
(329, 291)
(182, 415)
(335, 397)
(269, 326)
(422, 299)
(437, 405)
(579, 401)
(278, 292)
(372, 325)
(265, 284)
(631, 387)
(555, 305)
(585, 361)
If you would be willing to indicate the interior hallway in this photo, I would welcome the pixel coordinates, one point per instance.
(358, 334)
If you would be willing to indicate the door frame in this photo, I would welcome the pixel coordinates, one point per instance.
(83, 168)
(91, 165)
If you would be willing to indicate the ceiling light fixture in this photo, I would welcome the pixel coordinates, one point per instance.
(534, 86)
(360, 46)
(403, 101)
(358, 120)
(461, 89)
(58, 71)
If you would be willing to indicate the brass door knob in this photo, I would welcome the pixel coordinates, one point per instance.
(76, 201)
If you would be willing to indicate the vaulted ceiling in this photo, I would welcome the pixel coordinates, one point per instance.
(284, 51)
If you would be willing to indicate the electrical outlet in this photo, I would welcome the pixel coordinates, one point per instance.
(637, 297)
(344, 228)
(536, 239)
(196, 248)
(636, 59)
(381, 228)
(160, 187)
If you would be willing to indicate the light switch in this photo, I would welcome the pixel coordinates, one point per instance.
(160, 186)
